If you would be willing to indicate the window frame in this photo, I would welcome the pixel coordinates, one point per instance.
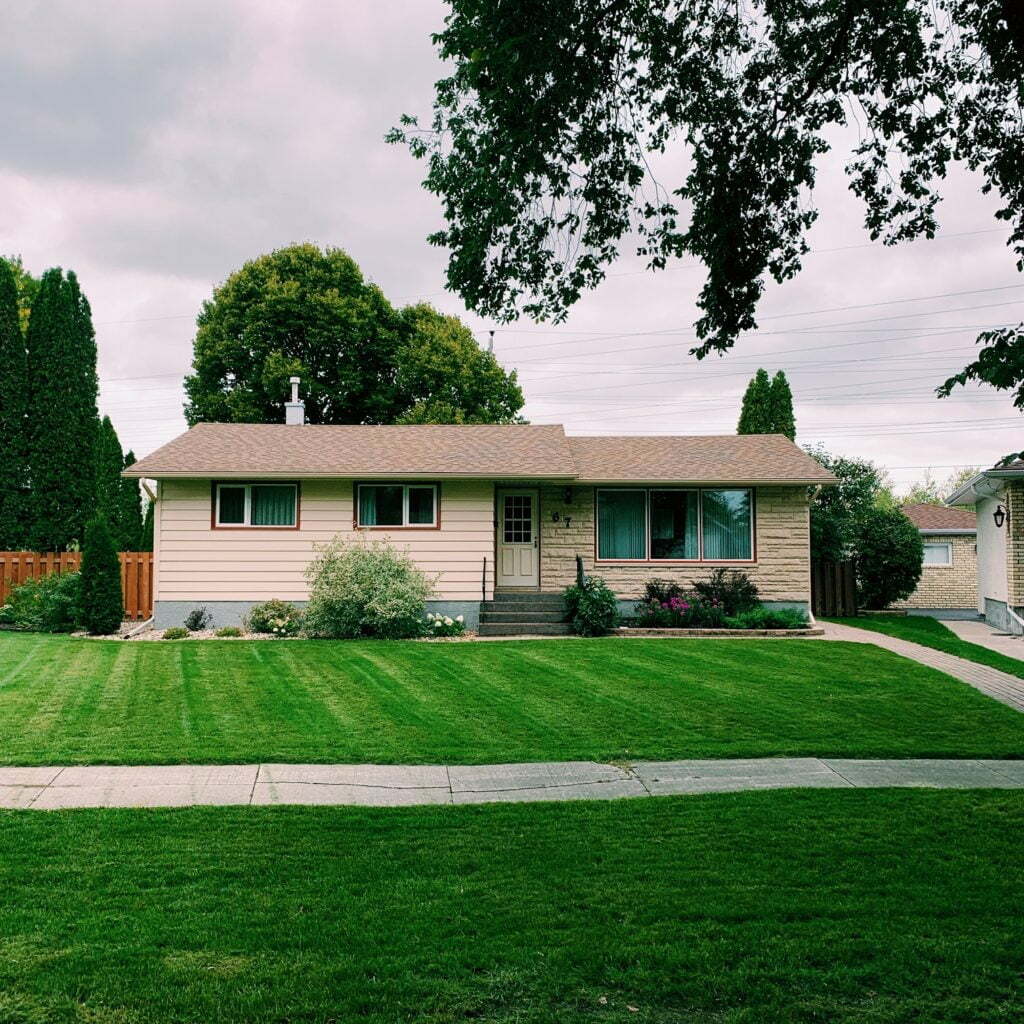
(700, 559)
(948, 545)
(215, 489)
(405, 485)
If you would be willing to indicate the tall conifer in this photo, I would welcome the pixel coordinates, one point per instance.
(62, 418)
(13, 396)
(754, 414)
(783, 420)
(129, 513)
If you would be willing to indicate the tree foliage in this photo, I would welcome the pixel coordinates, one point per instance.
(547, 134)
(118, 499)
(14, 495)
(929, 491)
(767, 406)
(889, 555)
(129, 510)
(837, 510)
(146, 539)
(102, 602)
(306, 312)
(27, 287)
(62, 417)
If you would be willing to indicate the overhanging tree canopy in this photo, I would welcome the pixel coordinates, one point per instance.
(542, 138)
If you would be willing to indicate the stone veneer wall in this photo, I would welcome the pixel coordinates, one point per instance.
(1015, 544)
(948, 586)
(781, 572)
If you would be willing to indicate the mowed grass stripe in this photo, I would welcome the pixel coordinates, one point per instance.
(792, 906)
(84, 701)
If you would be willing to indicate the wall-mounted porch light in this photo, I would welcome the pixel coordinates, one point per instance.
(999, 516)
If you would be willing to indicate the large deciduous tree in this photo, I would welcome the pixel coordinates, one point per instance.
(544, 136)
(13, 397)
(306, 312)
(61, 413)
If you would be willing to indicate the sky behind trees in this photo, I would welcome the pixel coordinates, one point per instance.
(155, 148)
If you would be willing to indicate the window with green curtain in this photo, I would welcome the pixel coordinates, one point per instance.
(622, 524)
(272, 505)
(381, 505)
(421, 506)
(726, 525)
(674, 517)
(231, 506)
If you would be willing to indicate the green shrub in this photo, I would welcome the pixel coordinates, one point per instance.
(730, 589)
(176, 633)
(50, 604)
(278, 618)
(592, 607)
(365, 589)
(889, 553)
(445, 625)
(768, 618)
(102, 602)
(198, 619)
(228, 631)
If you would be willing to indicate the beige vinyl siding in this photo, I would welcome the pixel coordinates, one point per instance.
(197, 563)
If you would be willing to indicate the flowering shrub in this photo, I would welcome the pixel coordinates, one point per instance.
(278, 618)
(732, 589)
(365, 589)
(667, 605)
(445, 625)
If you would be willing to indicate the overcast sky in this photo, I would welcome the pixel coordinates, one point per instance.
(155, 147)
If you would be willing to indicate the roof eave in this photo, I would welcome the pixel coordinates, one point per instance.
(260, 474)
(958, 532)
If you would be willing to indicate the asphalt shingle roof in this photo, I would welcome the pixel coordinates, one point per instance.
(939, 517)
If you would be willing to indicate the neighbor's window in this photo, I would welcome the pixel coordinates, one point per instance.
(257, 505)
(938, 554)
(675, 524)
(397, 505)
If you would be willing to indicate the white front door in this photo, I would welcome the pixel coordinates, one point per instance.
(518, 561)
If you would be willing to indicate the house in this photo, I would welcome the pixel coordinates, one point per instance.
(948, 588)
(495, 512)
(997, 495)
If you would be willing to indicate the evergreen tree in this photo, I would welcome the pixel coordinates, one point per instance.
(755, 413)
(782, 419)
(62, 418)
(146, 543)
(129, 510)
(13, 397)
(102, 601)
(109, 461)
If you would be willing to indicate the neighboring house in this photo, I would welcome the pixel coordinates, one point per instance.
(998, 498)
(948, 587)
(488, 510)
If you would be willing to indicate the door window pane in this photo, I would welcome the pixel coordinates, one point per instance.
(232, 505)
(517, 521)
(674, 524)
(621, 524)
(380, 505)
(421, 506)
(726, 516)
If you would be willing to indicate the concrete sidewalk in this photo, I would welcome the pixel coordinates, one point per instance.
(55, 788)
(974, 631)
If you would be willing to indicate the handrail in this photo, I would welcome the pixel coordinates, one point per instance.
(579, 571)
(483, 582)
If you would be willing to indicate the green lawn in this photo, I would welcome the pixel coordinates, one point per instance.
(922, 629)
(66, 700)
(802, 906)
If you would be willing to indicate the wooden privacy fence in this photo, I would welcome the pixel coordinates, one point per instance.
(833, 589)
(136, 575)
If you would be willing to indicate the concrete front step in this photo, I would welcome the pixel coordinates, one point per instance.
(524, 629)
(531, 598)
(523, 615)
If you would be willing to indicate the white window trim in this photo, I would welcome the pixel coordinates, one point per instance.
(700, 559)
(247, 523)
(948, 564)
(405, 524)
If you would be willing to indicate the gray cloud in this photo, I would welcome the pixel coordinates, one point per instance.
(157, 147)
